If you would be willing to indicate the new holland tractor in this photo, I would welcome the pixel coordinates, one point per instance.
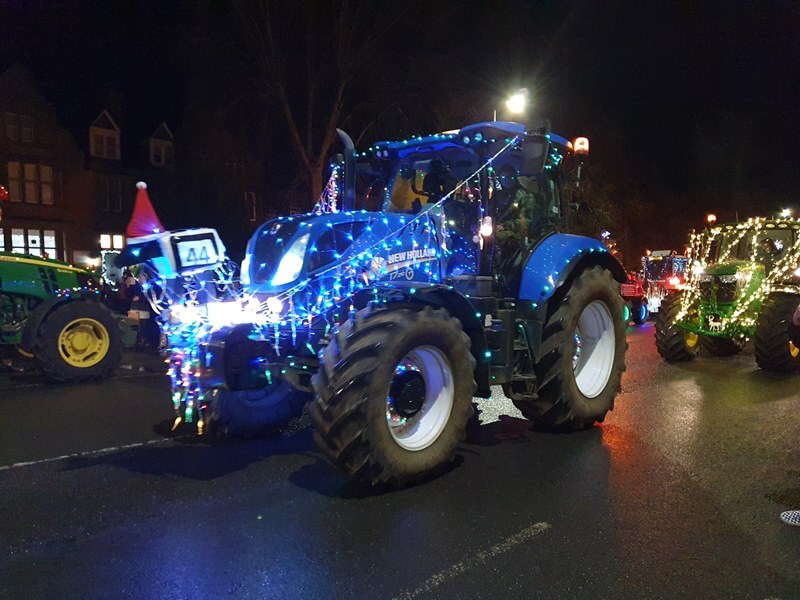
(744, 283)
(431, 270)
(49, 312)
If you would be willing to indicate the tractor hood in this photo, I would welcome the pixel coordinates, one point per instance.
(731, 267)
(287, 253)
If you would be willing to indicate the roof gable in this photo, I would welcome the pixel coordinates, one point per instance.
(163, 133)
(104, 121)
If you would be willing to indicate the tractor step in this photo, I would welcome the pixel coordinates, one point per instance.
(525, 378)
(525, 398)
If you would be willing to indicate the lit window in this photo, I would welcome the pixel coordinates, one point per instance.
(119, 241)
(105, 241)
(49, 243)
(34, 242)
(12, 126)
(18, 241)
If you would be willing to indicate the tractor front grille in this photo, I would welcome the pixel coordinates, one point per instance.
(714, 289)
(726, 292)
(706, 290)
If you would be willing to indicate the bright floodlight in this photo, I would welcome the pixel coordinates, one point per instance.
(786, 213)
(516, 103)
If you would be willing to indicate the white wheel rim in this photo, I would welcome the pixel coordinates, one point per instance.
(594, 346)
(419, 431)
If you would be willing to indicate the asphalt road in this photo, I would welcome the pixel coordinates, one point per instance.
(676, 495)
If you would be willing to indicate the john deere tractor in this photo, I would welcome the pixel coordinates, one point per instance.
(432, 269)
(49, 311)
(744, 283)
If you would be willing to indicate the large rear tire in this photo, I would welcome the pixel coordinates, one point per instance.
(774, 348)
(394, 394)
(78, 341)
(247, 413)
(582, 355)
(673, 343)
(720, 346)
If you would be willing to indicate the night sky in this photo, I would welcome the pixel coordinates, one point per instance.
(691, 107)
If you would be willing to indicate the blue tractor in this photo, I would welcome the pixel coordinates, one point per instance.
(433, 269)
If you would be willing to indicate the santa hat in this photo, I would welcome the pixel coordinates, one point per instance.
(144, 220)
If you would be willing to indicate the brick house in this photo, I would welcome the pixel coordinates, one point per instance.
(38, 159)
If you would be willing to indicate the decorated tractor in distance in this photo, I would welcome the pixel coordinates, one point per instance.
(663, 273)
(430, 270)
(50, 313)
(635, 300)
(743, 283)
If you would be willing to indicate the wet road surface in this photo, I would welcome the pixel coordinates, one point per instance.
(676, 495)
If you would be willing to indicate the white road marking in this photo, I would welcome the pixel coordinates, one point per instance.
(108, 450)
(477, 560)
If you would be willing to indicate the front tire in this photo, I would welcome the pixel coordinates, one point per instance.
(247, 413)
(394, 394)
(673, 343)
(774, 348)
(720, 346)
(78, 341)
(583, 355)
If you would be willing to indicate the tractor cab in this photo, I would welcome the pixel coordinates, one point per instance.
(465, 203)
(489, 217)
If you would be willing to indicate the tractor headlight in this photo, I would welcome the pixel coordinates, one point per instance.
(292, 262)
(274, 305)
(728, 278)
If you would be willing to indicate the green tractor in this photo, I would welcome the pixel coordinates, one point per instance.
(49, 312)
(744, 283)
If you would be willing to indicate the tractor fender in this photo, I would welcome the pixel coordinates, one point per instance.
(560, 257)
(39, 314)
(458, 306)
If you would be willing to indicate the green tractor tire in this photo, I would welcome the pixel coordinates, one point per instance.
(673, 343)
(720, 346)
(77, 341)
(774, 348)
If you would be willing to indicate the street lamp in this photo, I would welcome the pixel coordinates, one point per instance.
(516, 103)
